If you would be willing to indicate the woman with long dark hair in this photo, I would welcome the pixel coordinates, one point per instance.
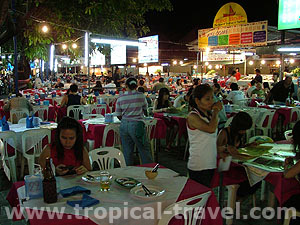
(67, 152)
(163, 104)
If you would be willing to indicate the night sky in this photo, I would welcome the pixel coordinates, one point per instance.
(187, 15)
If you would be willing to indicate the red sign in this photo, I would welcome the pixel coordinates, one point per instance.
(246, 38)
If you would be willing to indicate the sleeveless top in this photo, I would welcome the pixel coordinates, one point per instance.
(73, 99)
(68, 160)
(203, 148)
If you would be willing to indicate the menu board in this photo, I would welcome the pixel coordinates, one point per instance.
(250, 34)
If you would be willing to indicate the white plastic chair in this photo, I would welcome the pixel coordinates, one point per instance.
(289, 213)
(116, 129)
(104, 157)
(40, 109)
(33, 139)
(76, 109)
(100, 108)
(57, 100)
(288, 134)
(227, 124)
(296, 111)
(17, 114)
(150, 126)
(8, 136)
(192, 213)
(266, 130)
(23, 120)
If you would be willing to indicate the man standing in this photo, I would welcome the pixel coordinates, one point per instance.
(258, 76)
(281, 90)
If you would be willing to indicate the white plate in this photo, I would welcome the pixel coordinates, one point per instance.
(139, 192)
(95, 179)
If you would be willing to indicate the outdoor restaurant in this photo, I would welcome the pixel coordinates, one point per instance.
(138, 136)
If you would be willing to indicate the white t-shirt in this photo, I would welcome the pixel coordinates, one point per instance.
(203, 148)
(235, 96)
(178, 101)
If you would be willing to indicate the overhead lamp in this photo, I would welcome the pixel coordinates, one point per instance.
(251, 63)
(195, 66)
(263, 62)
(206, 63)
(134, 60)
(74, 45)
(287, 49)
(64, 46)
(248, 53)
(116, 42)
(174, 62)
(180, 62)
(292, 61)
(278, 62)
(210, 66)
(45, 29)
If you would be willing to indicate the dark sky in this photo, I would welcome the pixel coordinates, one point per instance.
(187, 15)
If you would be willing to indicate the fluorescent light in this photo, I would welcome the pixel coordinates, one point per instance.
(86, 50)
(248, 53)
(286, 49)
(219, 52)
(52, 48)
(117, 42)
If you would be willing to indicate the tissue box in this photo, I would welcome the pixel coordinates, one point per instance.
(109, 118)
(34, 186)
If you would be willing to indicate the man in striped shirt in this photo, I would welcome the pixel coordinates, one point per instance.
(130, 109)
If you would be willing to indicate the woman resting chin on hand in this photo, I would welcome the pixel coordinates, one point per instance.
(67, 152)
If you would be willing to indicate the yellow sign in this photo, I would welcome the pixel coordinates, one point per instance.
(230, 14)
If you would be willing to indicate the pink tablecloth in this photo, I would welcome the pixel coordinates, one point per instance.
(190, 189)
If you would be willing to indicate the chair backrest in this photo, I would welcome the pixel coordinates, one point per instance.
(90, 116)
(17, 114)
(104, 157)
(288, 134)
(99, 109)
(76, 109)
(150, 128)
(23, 120)
(294, 111)
(116, 131)
(192, 213)
(41, 111)
(34, 139)
(262, 116)
(9, 138)
(57, 100)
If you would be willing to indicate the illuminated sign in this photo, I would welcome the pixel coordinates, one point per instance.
(289, 14)
(148, 52)
(118, 54)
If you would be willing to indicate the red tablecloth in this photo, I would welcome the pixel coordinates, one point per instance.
(190, 189)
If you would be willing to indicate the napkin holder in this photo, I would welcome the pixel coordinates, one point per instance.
(34, 186)
(4, 124)
(46, 102)
(109, 118)
(29, 122)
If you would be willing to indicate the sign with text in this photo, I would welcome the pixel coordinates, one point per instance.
(288, 14)
(118, 54)
(242, 35)
(148, 52)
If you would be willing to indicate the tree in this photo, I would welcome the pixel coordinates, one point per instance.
(67, 19)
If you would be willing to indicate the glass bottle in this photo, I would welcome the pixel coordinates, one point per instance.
(49, 184)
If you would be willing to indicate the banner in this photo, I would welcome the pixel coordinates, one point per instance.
(243, 35)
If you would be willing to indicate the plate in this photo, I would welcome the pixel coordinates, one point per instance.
(91, 178)
(139, 192)
(127, 182)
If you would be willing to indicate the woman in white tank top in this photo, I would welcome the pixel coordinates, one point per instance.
(202, 124)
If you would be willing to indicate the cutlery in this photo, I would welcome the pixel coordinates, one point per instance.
(155, 168)
(90, 176)
(146, 190)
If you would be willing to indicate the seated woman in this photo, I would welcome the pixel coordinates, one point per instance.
(235, 95)
(67, 152)
(98, 87)
(230, 140)
(73, 98)
(163, 104)
(292, 170)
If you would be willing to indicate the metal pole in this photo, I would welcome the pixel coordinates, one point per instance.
(281, 56)
(88, 60)
(13, 4)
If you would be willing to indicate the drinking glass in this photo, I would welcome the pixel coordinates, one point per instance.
(104, 181)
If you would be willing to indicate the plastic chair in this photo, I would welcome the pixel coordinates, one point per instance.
(8, 136)
(23, 120)
(17, 114)
(289, 213)
(192, 213)
(296, 111)
(57, 100)
(288, 134)
(40, 110)
(266, 130)
(116, 129)
(104, 157)
(76, 109)
(150, 126)
(33, 139)
(100, 109)
(227, 124)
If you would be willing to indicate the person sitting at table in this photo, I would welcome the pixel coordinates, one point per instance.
(202, 124)
(230, 140)
(142, 84)
(281, 91)
(73, 98)
(58, 84)
(19, 102)
(183, 99)
(160, 84)
(67, 151)
(130, 108)
(163, 104)
(178, 85)
(292, 170)
(258, 91)
(235, 96)
(98, 87)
